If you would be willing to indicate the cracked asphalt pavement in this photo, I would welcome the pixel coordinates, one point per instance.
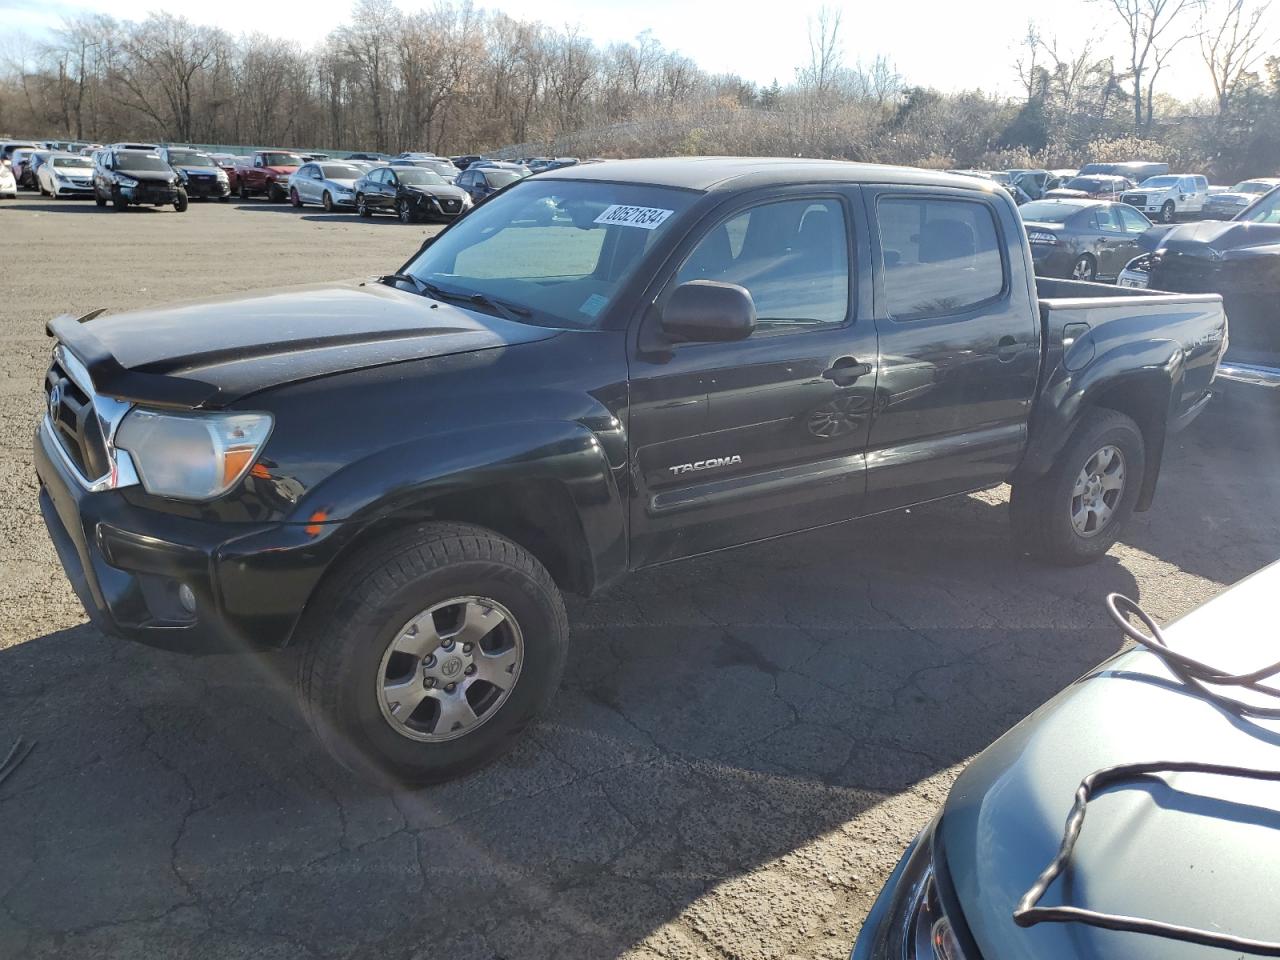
(742, 747)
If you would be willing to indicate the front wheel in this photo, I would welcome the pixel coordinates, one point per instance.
(1085, 268)
(1168, 212)
(404, 211)
(1075, 513)
(362, 208)
(118, 200)
(294, 199)
(327, 202)
(431, 652)
(180, 204)
(99, 201)
(244, 191)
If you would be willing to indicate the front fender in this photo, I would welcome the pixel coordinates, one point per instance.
(401, 482)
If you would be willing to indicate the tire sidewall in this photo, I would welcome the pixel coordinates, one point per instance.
(365, 739)
(1123, 435)
(1090, 265)
(1168, 213)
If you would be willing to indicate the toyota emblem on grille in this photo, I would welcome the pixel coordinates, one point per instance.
(55, 400)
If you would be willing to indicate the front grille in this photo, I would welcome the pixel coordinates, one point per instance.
(1135, 199)
(76, 423)
(450, 205)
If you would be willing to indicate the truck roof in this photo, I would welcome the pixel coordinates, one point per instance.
(720, 173)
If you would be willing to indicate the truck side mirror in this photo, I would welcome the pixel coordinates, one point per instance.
(706, 310)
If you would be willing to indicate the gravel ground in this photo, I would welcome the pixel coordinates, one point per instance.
(741, 750)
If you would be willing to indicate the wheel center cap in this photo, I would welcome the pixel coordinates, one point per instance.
(451, 666)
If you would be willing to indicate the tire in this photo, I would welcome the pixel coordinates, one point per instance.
(1168, 213)
(180, 205)
(275, 194)
(294, 199)
(244, 191)
(118, 201)
(362, 208)
(99, 201)
(404, 212)
(365, 614)
(1045, 511)
(327, 202)
(1085, 268)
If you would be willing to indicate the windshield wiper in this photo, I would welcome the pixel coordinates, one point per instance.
(390, 278)
(507, 310)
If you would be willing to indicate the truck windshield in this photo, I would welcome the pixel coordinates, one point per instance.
(1266, 210)
(560, 250)
(281, 160)
(1159, 183)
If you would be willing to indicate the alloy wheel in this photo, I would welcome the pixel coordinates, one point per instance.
(449, 669)
(1097, 491)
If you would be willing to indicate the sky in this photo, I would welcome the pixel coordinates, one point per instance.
(947, 45)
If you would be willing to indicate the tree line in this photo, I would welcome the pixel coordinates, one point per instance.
(454, 78)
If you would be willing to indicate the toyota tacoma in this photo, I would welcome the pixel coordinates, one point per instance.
(597, 370)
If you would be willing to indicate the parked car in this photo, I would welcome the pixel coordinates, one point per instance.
(369, 157)
(1225, 205)
(1169, 197)
(136, 177)
(1033, 183)
(1135, 170)
(1082, 239)
(411, 193)
(404, 473)
(66, 175)
(201, 175)
(1239, 259)
(465, 161)
(8, 147)
(501, 165)
(330, 184)
(20, 160)
(1177, 838)
(266, 173)
(8, 185)
(1099, 187)
(479, 182)
(228, 163)
(145, 147)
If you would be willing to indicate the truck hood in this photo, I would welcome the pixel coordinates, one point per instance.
(1215, 238)
(1194, 850)
(214, 352)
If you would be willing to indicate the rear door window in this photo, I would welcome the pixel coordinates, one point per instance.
(941, 256)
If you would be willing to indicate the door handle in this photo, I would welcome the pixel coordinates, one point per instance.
(846, 371)
(1007, 348)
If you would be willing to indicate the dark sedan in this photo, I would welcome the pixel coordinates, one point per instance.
(1082, 239)
(481, 181)
(411, 193)
(1175, 832)
(1098, 187)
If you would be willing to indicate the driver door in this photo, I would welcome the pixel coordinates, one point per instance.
(741, 441)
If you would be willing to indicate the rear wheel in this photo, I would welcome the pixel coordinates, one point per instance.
(1075, 513)
(432, 652)
(1086, 268)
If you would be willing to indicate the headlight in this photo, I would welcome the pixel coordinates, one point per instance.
(126, 181)
(932, 937)
(192, 456)
(1040, 236)
(1140, 264)
(466, 200)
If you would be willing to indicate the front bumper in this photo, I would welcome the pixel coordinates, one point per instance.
(74, 190)
(126, 564)
(201, 189)
(156, 195)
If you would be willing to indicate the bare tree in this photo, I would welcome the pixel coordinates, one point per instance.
(1232, 42)
(821, 75)
(1153, 28)
(158, 73)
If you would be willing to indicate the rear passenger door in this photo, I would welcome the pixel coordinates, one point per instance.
(735, 442)
(959, 344)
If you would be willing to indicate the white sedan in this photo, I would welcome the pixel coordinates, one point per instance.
(8, 185)
(65, 175)
(328, 183)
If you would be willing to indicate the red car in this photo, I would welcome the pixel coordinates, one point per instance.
(266, 173)
(1093, 187)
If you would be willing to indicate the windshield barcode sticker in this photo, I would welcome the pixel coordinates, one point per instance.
(646, 218)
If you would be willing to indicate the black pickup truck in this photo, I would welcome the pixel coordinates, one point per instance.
(594, 371)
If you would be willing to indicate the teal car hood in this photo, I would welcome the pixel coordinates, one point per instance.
(1193, 850)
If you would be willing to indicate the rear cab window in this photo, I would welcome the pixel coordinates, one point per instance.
(941, 255)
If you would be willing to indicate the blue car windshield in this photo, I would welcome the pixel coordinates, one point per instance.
(558, 250)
